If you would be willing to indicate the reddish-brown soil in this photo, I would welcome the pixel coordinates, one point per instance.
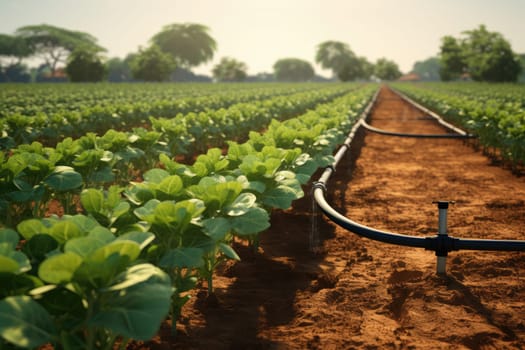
(354, 293)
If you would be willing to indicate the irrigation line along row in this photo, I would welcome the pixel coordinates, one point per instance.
(442, 243)
(419, 136)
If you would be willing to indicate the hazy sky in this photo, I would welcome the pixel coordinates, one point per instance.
(259, 32)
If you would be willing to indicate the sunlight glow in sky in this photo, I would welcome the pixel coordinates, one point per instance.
(261, 32)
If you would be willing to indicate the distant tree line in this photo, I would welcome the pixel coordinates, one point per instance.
(478, 55)
(177, 48)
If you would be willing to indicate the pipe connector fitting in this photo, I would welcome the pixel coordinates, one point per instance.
(319, 184)
(441, 244)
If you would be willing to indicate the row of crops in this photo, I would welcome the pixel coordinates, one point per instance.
(493, 112)
(50, 113)
(146, 213)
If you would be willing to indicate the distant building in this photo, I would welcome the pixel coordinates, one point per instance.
(410, 77)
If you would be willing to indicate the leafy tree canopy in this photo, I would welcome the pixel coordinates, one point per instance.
(484, 55)
(13, 46)
(118, 69)
(293, 69)
(356, 68)
(428, 69)
(85, 66)
(229, 69)
(334, 55)
(521, 78)
(54, 44)
(343, 62)
(152, 64)
(188, 43)
(386, 69)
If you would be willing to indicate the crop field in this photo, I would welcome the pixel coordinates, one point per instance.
(181, 216)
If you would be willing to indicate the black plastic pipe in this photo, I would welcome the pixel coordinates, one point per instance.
(441, 244)
(419, 136)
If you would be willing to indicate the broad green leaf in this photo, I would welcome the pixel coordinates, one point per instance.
(280, 197)
(84, 223)
(303, 178)
(107, 156)
(22, 196)
(60, 301)
(65, 230)
(155, 175)
(142, 238)
(103, 175)
(64, 179)
(139, 193)
(189, 257)
(200, 169)
(106, 262)
(114, 196)
(254, 221)
(24, 323)
(228, 251)
(9, 237)
(20, 284)
(241, 204)
(217, 228)
(227, 192)
(120, 209)
(180, 213)
(171, 185)
(134, 275)
(102, 234)
(31, 227)
(8, 265)
(92, 200)
(39, 245)
(257, 186)
(284, 175)
(59, 268)
(83, 246)
(132, 312)
(146, 212)
(8, 253)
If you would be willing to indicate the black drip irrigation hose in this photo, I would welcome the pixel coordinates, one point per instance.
(457, 133)
(419, 136)
(441, 244)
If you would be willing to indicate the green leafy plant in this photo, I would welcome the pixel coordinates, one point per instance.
(91, 288)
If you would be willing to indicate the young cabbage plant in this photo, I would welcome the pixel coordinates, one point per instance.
(229, 211)
(95, 291)
(108, 208)
(179, 245)
(29, 179)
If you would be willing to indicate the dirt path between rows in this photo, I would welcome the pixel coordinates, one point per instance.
(354, 293)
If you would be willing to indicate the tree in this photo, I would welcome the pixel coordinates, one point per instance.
(452, 59)
(484, 55)
(12, 50)
(85, 66)
(343, 62)
(521, 78)
(118, 70)
(293, 69)
(229, 69)
(189, 44)
(55, 44)
(367, 68)
(152, 64)
(428, 69)
(334, 55)
(356, 68)
(16, 73)
(386, 69)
